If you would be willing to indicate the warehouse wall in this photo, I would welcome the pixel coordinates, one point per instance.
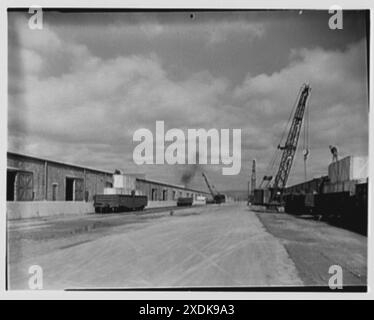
(36, 209)
(31, 165)
(93, 181)
(49, 181)
(96, 182)
(159, 192)
(57, 175)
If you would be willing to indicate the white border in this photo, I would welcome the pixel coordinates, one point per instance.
(193, 4)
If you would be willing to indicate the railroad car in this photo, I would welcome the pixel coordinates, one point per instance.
(184, 201)
(344, 208)
(105, 203)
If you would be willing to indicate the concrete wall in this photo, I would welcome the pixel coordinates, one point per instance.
(161, 204)
(35, 209)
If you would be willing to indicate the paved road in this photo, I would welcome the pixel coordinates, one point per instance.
(212, 246)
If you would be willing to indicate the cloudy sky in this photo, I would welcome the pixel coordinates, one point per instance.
(79, 88)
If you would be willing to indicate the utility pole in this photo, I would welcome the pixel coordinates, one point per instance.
(253, 177)
(252, 183)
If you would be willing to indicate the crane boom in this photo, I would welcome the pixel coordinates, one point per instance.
(217, 197)
(208, 184)
(289, 149)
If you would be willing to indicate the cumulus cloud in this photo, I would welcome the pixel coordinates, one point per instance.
(77, 107)
(337, 106)
(223, 31)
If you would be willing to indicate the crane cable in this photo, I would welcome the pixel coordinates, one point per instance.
(306, 141)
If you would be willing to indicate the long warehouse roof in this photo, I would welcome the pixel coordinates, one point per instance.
(101, 171)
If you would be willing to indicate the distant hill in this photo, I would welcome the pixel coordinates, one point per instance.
(238, 194)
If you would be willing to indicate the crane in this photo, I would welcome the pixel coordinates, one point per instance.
(217, 197)
(289, 148)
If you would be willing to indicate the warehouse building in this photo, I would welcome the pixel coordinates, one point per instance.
(34, 179)
(42, 187)
(161, 191)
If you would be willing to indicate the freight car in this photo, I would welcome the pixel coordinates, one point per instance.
(105, 203)
(184, 201)
(219, 198)
(344, 208)
(295, 204)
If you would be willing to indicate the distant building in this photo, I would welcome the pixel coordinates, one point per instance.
(162, 191)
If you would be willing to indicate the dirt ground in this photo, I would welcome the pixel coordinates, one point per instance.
(213, 246)
(314, 246)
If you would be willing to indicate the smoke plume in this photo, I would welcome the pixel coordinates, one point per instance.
(189, 173)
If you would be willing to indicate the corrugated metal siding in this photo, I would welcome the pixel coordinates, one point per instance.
(348, 168)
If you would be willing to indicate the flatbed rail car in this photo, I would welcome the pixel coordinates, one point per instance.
(219, 198)
(184, 201)
(105, 203)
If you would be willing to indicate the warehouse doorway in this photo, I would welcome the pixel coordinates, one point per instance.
(69, 191)
(154, 195)
(74, 189)
(20, 186)
(10, 185)
(54, 191)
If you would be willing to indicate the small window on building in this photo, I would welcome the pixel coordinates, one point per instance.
(54, 191)
(154, 194)
(174, 194)
(108, 185)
